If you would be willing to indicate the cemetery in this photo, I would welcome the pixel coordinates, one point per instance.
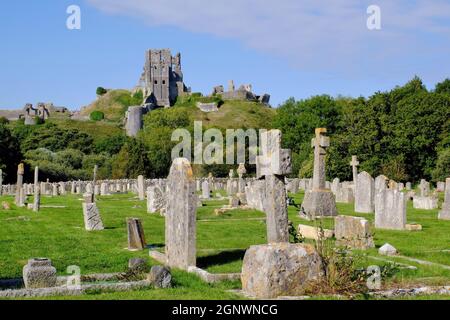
(261, 237)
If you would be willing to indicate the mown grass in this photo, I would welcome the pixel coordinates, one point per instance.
(58, 233)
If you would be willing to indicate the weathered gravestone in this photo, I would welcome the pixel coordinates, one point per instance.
(280, 269)
(444, 214)
(141, 188)
(155, 199)
(390, 210)
(364, 193)
(92, 218)
(37, 191)
(206, 192)
(20, 195)
(39, 273)
(319, 202)
(1, 182)
(440, 186)
(424, 188)
(181, 216)
(353, 232)
(136, 237)
(381, 183)
(272, 165)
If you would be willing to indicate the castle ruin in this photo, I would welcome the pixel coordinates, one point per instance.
(162, 79)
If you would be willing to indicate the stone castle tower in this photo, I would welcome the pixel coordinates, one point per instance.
(162, 79)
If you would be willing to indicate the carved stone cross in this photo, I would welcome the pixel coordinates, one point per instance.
(319, 143)
(354, 163)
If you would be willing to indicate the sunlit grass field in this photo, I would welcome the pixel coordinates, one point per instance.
(58, 234)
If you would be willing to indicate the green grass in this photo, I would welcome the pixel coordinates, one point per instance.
(59, 234)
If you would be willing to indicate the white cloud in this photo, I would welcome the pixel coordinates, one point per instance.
(310, 34)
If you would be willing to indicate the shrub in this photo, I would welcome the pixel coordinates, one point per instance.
(97, 116)
(101, 91)
(3, 120)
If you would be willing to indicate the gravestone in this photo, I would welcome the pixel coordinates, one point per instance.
(37, 199)
(37, 191)
(440, 186)
(390, 210)
(354, 163)
(136, 237)
(254, 194)
(20, 197)
(424, 188)
(335, 185)
(155, 199)
(92, 219)
(206, 192)
(319, 202)
(364, 193)
(353, 232)
(280, 269)
(425, 203)
(181, 216)
(141, 188)
(39, 273)
(1, 182)
(381, 183)
(444, 214)
(104, 189)
(344, 193)
(408, 186)
(272, 165)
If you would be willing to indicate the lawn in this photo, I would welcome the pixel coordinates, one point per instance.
(58, 234)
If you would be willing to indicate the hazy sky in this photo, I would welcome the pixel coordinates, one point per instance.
(284, 47)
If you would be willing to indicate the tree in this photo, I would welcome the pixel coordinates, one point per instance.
(131, 161)
(10, 155)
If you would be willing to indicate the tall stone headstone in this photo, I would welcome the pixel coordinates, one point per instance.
(141, 188)
(444, 214)
(181, 216)
(390, 210)
(20, 195)
(364, 193)
(273, 164)
(354, 163)
(37, 191)
(136, 237)
(319, 202)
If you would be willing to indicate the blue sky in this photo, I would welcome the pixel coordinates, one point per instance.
(285, 47)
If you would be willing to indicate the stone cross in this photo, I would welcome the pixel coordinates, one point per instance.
(181, 216)
(273, 165)
(95, 174)
(19, 187)
(354, 163)
(319, 143)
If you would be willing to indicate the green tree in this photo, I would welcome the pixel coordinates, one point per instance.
(10, 155)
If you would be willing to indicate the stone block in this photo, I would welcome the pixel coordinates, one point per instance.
(314, 233)
(280, 269)
(39, 273)
(353, 232)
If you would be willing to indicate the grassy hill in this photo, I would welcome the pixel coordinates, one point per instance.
(231, 114)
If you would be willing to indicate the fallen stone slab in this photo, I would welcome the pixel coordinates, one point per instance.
(444, 290)
(83, 289)
(213, 277)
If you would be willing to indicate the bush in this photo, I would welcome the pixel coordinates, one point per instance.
(3, 120)
(101, 91)
(97, 116)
